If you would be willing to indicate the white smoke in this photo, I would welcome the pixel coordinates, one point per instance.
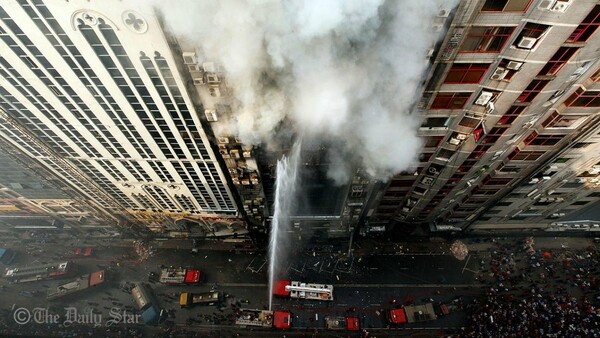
(344, 70)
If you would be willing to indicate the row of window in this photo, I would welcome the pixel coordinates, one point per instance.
(79, 65)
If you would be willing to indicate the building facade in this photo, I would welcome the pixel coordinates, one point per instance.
(94, 94)
(31, 198)
(511, 121)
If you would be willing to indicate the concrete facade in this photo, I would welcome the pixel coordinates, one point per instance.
(511, 142)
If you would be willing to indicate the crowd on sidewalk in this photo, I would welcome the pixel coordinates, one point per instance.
(536, 293)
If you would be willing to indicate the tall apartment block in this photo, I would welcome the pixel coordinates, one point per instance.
(92, 92)
(511, 122)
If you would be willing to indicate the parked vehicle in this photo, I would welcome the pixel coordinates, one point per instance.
(294, 289)
(264, 318)
(187, 299)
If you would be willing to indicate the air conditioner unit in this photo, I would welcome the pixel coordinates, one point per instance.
(438, 27)
(189, 58)
(211, 115)
(193, 67)
(427, 180)
(461, 136)
(198, 81)
(432, 170)
(546, 4)
(212, 78)
(499, 74)
(454, 141)
(561, 6)
(527, 42)
(224, 140)
(443, 13)
(214, 91)
(514, 65)
(484, 98)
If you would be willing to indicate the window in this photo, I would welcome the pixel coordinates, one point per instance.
(587, 27)
(433, 141)
(497, 181)
(494, 134)
(466, 72)
(533, 90)
(530, 137)
(486, 39)
(545, 140)
(450, 100)
(518, 155)
(479, 151)
(470, 122)
(530, 35)
(558, 60)
(511, 114)
(445, 154)
(505, 5)
(437, 122)
(561, 160)
(555, 120)
(29, 62)
(584, 98)
(424, 157)
(582, 145)
(596, 76)
(420, 191)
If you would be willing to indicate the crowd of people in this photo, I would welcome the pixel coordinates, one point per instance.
(534, 293)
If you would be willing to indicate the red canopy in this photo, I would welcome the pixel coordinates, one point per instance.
(279, 288)
(352, 324)
(192, 276)
(398, 316)
(282, 320)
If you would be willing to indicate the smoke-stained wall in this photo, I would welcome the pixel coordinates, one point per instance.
(347, 72)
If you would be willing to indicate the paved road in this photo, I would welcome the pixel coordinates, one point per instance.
(371, 283)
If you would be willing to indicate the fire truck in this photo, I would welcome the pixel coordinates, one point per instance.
(81, 283)
(179, 276)
(264, 318)
(294, 289)
(412, 314)
(39, 272)
(342, 323)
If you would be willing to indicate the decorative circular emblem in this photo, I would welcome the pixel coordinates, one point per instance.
(89, 19)
(134, 21)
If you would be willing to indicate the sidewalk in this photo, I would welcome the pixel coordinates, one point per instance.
(442, 246)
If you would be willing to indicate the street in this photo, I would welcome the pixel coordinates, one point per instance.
(366, 286)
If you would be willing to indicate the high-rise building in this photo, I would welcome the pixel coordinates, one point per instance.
(92, 92)
(511, 121)
(31, 198)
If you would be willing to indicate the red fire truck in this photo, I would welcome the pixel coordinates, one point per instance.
(264, 318)
(179, 276)
(342, 323)
(412, 313)
(293, 289)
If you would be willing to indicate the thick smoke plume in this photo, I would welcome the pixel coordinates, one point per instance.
(345, 71)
